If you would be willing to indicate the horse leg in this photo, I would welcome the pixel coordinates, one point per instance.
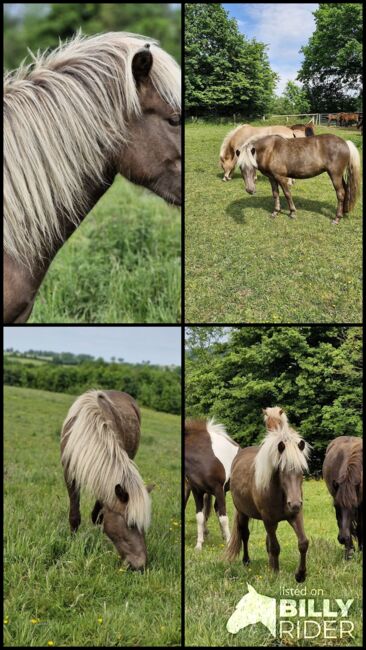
(74, 513)
(338, 184)
(359, 528)
(220, 507)
(243, 523)
(276, 196)
(96, 517)
(207, 500)
(273, 547)
(187, 492)
(284, 184)
(200, 517)
(298, 525)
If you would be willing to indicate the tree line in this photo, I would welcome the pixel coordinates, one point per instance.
(155, 387)
(226, 73)
(314, 373)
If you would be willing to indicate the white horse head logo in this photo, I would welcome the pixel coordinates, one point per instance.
(253, 608)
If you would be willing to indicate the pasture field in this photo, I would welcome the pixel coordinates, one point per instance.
(72, 591)
(213, 587)
(243, 266)
(122, 265)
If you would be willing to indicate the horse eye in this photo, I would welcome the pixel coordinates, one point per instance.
(175, 121)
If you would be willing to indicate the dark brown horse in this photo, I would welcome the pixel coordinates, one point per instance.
(99, 438)
(345, 119)
(208, 455)
(278, 159)
(360, 123)
(74, 119)
(342, 472)
(266, 484)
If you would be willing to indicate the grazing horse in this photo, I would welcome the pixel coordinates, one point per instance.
(73, 119)
(331, 117)
(208, 454)
(99, 438)
(345, 119)
(342, 472)
(278, 159)
(266, 484)
(238, 136)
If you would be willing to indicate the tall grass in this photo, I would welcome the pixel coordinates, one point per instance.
(122, 265)
(72, 590)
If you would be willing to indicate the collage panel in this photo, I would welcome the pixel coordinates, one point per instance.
(92, 477)
(273, 486)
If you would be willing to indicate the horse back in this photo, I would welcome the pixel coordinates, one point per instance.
(202, 468)
(338, 454)
(125, 414)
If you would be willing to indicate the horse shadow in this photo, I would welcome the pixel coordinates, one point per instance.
(236, 209)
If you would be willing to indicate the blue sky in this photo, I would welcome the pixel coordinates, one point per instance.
(283, 27)
(159, 345)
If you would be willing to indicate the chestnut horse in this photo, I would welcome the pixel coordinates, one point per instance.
(208, 454)
(73, 119)
(342, 472)
(279, 158)
(266, 484)
(238, 136)
(99, 438)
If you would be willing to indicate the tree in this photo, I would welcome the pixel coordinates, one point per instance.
(295, 99)
(332, 67)
(224, 72)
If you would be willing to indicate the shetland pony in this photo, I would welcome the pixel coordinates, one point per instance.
(266, 484)
(99, 438)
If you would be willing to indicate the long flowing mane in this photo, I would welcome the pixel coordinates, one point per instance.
(269, 459)
(63, 115)
(350, 476)
(227, 139)
(219, 429)
(95, 458)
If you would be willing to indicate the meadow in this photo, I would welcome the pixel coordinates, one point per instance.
(213, 587)
(65, 590)
(243, 266)
(122, 265)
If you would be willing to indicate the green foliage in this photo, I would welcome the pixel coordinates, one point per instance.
(74, 587)
(293, 100)
(157, 387)
(332, 67)
(224, 72)
(314, 373)
(40, 26)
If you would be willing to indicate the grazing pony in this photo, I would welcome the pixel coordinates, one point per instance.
(208, 454)
(308, 128)
(99, 438)
(266, 483)
(331, 117)
(342, 472)
(238, 136)
(73, 119)
(278, 159)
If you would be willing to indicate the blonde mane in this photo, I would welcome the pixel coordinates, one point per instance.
(219, 429)
(95, 458)
(269, 459)
(228, 137)
(64, 115)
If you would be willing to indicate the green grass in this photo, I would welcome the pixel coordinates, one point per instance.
(66, 582)
(122, 265)
(213, 587)
(243, 266)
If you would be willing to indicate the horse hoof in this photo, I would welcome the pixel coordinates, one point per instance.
(292, 215)
(198, 547)
(246, 562)
(274, 214)
(300, 576)
(335, 222)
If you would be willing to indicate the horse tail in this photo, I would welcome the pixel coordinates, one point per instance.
(353, 177)
(207, 505)
(94, 456)
(234, 545)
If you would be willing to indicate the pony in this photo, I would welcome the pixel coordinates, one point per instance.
(99, 438)
(266, 484)
(345, 119)
(331, 117)
(308, 128)
(208, 454)
(278, 158)
(238, 136)
(74, 118)
(342, 472)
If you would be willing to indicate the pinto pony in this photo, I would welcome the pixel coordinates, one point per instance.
(73, 119)
(279, 158)
(99, 438)
(208, 455)
(342, 472)
(238, 136)
(266, 484)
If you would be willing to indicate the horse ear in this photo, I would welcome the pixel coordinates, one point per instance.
(150, 487)
(264, 411)
(335, 484)
(281, 411)
(141, 64)
(281, 446)
(121, 494)
(237, 152)
(301, 445)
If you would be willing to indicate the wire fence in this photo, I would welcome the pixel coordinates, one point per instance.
(290, 119)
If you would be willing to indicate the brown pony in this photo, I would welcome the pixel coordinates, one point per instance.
(279, 158)
(331, 117)
(345, 119)
(208, 455)
(238, 136)
(266, 484)
(308, 128)
(73, 120)
(99, 438)
(342, 472)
